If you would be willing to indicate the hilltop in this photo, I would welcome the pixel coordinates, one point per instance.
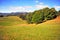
(11, 20)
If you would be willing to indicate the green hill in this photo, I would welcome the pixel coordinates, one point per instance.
(11, 20)
(20, 30)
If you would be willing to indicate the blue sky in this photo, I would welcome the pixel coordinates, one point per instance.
(27, 5)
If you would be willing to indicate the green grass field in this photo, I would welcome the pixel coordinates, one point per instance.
(13, 28)
(11, 20)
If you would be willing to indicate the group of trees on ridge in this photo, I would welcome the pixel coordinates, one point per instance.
(42, 15)
(38, 16)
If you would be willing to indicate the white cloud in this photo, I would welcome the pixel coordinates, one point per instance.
(41, 6)
(36, 1)
(38, 6)
(27, 6)
(41, 3)
(18, 9)
(57, 7)
(23, 8)
(5, 11)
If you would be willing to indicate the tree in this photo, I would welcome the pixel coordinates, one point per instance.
(1, 16)
(52, 14)
(46, 13)
(58, 13)
(23, 16)
(29, 17)
(38, 17)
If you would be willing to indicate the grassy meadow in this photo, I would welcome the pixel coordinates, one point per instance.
(14, 28)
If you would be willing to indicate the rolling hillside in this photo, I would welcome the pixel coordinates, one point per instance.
(11, 20)
(17, 29)
(56, 20)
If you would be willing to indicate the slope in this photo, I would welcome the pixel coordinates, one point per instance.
(11, 20)
(49, 30)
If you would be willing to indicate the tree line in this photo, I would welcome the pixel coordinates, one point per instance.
(42, 15)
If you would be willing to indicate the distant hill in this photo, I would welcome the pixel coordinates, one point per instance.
(13, 14)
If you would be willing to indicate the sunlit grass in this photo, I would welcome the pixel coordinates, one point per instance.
(49, 30)
(11, 20)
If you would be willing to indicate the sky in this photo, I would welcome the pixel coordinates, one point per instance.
(27, 5)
